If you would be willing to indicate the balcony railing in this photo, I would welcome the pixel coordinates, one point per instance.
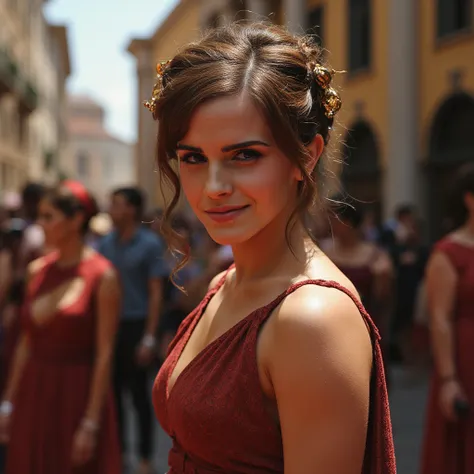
(12, 81)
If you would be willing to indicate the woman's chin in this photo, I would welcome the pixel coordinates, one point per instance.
(228, 236)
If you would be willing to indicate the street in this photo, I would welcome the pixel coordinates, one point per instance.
(407, 401)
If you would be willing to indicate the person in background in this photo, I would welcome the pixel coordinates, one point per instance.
(366, 264)
(57, 412)
(138, 255)
(396, 230)
(33, 236)
(100, 226)
(409, 256)
(449, 429)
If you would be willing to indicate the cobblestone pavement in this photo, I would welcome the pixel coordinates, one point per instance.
(407, 401)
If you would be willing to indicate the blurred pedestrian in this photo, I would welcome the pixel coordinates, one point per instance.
(138, 255)
(57, 413)
(449, 430)
(279, 368)
(366, 264)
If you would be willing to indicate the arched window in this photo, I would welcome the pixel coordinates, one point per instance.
(451, 145)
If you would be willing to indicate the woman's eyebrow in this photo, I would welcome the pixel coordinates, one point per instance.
(225, 149)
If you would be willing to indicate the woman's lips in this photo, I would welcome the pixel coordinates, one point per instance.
(225, 213)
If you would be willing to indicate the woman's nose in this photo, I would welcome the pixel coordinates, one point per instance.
(218, 181)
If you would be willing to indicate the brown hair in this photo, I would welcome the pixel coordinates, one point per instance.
(275, 68)
(65, 200)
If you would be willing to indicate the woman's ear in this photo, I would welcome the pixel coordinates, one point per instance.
(315, 149)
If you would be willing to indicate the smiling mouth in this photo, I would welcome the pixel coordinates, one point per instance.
(225, 214)
(225, 210)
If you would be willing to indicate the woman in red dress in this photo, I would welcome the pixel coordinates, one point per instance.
(57, 413)
(279, 368)
(449, 435)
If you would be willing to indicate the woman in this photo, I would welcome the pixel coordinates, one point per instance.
(366, 265)
(279, 368)
(57, 414)
(449, 281)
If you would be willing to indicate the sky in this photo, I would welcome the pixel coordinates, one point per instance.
(99, 32)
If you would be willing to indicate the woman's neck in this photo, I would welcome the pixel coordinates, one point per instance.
(71, 252)
(270, 252)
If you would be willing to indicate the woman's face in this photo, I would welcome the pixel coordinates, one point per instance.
(57, 227)
(235, 178)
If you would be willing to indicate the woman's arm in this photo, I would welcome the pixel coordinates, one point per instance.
(22, 354)
(5, 275)
(22, 350)
(108, 302)
(319, 364)
(441, 282)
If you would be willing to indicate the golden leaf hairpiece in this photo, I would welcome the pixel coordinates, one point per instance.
(150, 104)
(331, 102)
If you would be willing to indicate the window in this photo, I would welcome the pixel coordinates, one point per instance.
(82, 165)
(453, 16)
(316, 24)
(360, 34)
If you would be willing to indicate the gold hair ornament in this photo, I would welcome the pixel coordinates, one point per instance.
(158, 87)
(331, 102)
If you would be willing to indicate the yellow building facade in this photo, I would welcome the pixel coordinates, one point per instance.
(408, 91)
(34, 67)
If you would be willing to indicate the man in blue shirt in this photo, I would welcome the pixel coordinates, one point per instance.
(138, 255)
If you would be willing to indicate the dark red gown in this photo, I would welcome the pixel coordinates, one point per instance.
(216, 413)
(54, 389)
(449, 447)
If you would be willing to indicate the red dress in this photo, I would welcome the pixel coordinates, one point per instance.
(448, 447)
(217, 416)
(54, 389)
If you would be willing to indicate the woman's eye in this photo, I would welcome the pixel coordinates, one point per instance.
(193, 159)
(247, 155)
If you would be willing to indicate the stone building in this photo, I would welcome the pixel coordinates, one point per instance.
(407, 121)
(34, 66)
(95, 157)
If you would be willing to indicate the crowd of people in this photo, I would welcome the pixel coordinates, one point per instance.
(60, 265)
(268, 359)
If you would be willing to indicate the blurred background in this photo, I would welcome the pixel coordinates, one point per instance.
(74, 75)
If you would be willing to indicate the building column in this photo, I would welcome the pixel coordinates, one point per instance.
(296, 15)
(401, 172)
(145, 158)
